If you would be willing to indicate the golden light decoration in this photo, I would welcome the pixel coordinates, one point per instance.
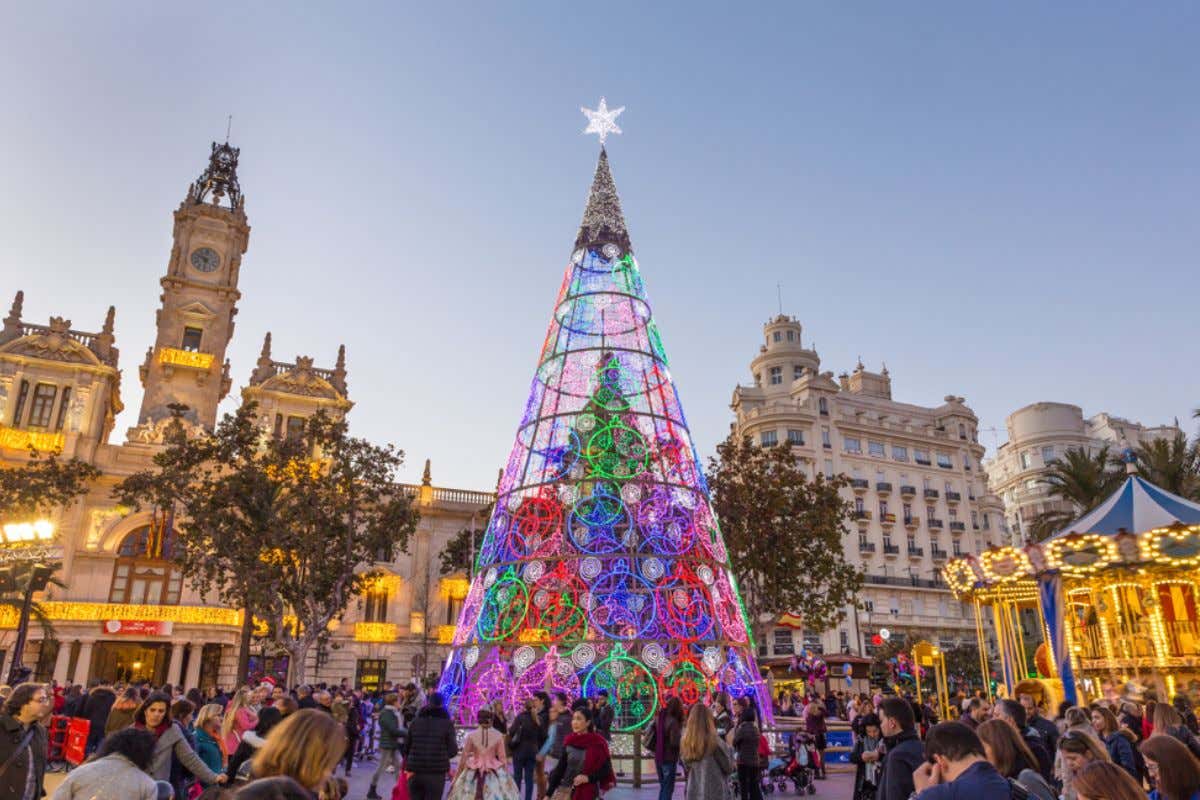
(445, 634)
(1081, 554)
(454, 588)
(19, 533)
(1176, 547)
(960, 575)
(15, 439)
(184, 358)
(377, 632)
(381, 582)
(61, 611)
(295, 468)
(1005, 564)
(534, 636)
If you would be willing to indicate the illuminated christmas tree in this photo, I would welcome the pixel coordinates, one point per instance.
(602, 566)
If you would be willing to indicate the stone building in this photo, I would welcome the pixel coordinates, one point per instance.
(126, 613)
(918, 490)
(1038, 434)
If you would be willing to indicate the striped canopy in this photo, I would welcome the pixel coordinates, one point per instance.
(1138, 506)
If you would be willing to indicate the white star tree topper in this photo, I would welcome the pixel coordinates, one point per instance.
(602, 121)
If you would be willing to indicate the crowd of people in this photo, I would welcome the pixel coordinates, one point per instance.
(1008, 749)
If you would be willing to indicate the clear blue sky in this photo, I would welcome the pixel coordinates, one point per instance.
(1000, 201)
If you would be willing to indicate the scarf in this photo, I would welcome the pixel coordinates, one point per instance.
(595, 753)
(158, 732)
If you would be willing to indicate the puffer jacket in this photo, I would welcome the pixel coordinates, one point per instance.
(745, 744)
(430, 743)
(391, 728)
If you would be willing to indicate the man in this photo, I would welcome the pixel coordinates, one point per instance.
(543, 721)
(558, 729)
(1045, 727)
(975, 712)
(391, 735)
(305, 695)
(1013, 713)
(525, 738)
(957, 768)
(428, 748)
(23, 742)
(409, 705)
(95, 709)
(604, 716)
(324, 701)
(904, 750)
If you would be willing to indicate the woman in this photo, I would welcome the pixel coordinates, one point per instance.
(345, 711)
(585, 769)
(1106, 781)
(814, 723)
(121, 714)
(73, 701)
(181, 717)
(667, 731)
(307, 746)
(482, 772)
(151, 716)
(867, 756)
(1168, 722)
(1077, 749)
(116, 772)
(745, 744)
(707, 759)
(1120, 749)
(252, 741)
(1130, 716)
(209, 745)
(1012, 758)
(1175, 772)
(721, 716)
(499, 720)
(239, 718)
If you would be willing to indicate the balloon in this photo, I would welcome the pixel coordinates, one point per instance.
(849, 681)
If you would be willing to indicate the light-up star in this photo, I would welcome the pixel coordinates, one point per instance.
(602, 121)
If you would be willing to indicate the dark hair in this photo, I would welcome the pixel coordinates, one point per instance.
(545, 698)
(562, 698)
(587, 714)
(1107, 780)
(580, 703)
(1009, 753)
(136, 744)
(1062, 708)
(1110, 720)
(1014, 711)
(435, 700)
(868, 719)
(139, 716)
(21, 695)
(181, 708)
(484, 718)
(290, 706)
(898, 709)
(954, 741)
(602, 693)
(268, 718)
(1178, 769)
(674, 708)
(279, 787)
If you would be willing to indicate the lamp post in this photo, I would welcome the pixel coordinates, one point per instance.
(26, 544)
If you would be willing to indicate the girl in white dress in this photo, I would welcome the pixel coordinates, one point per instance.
(483, 768)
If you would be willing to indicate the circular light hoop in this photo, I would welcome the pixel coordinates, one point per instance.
(686, 600)
(623, 604)
(544, 675)
(1005, 564)
(617, 452)
(536, 527)
(1081, 554)
(599, 523)
(632, 690)
(959, 575)
(686, 681)
(560, 614)
(1178, 547)
(728, 609)
(611, 313)
(504, 608)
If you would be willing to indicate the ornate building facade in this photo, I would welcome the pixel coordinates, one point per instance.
(126, 613)
(918, 491)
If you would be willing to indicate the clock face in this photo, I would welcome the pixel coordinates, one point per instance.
(205, 259)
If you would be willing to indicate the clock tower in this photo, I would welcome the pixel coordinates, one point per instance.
(185, 371)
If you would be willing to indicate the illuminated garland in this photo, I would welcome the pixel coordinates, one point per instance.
(602, 566)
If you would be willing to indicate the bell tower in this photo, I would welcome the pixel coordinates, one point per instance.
(186, 366)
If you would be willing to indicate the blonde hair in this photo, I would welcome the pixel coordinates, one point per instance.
(209, 713)
(1165, 718)
(306, 746)
(237, 703)
(699, 734)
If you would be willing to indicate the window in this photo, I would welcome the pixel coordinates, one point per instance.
(944, 461)
(921, 456)
(22, 396)
(768, 438)
(930, 512)
(852, 445)
(862, 541)
(812, 642)
(986, 523)
(795, 437)
(1047, 454)
(295, 427)
(64, 405)
(797, 372)
(791, 336)
(844, 639)
(823, 406)
(858, 505)
(278, 425)
(927, 484)
(899, 453)
(876, 449)
(191, 339)
(975, 519)
(1025, 460)
(956, 548)
(825, 438)
(778, 336)
(776, 375)
(962, 431)
(781, 642)
(883, 508)
(949, 487)
(828, 468)
(953, 512)
(375, 604)
(42, 406)
(868, 606)
(907, 511)
(144, 573)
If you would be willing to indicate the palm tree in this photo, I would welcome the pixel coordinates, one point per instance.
(12, 600)
(1173, 464)
(1080, 480)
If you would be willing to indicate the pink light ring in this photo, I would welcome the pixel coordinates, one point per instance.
(468, 618)
(548, 674)
(602, 310)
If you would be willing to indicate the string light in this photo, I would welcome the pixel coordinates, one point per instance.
(375, 632)
(184, 358)
(16, 439)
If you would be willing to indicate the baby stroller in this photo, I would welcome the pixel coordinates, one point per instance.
(800, 767)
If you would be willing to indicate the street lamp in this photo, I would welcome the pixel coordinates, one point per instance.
(28, 545)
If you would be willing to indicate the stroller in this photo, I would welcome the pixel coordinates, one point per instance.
(798, 766)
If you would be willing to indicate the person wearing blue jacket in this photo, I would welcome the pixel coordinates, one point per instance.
(1120, 749)
(957, 767)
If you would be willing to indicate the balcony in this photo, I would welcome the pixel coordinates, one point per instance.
(912, 522)
(887, 520)
(908, 491)
(860, 484)
(883, 487)
(958, 527)
(916, 552)
(866, 547)
(938, 553)
(975, 526)
(891, 549)
(891, 580)
(924, 462)
(936, 524)
(860, 515)
(931, 494)
(953, 497)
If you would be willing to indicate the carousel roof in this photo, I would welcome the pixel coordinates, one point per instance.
(1138, 506)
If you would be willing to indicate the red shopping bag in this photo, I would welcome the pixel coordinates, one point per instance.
(400, 791)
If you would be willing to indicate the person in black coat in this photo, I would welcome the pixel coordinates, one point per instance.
(23, 740)
(1013, 713)
(430, 745)
(525, 738)
(905, 753)
(95, 709)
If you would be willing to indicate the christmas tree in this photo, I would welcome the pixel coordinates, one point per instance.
(602, 567)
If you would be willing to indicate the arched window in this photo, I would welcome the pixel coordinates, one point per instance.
(144, 572)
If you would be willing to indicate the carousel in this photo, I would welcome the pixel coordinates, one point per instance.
(1105, 607)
